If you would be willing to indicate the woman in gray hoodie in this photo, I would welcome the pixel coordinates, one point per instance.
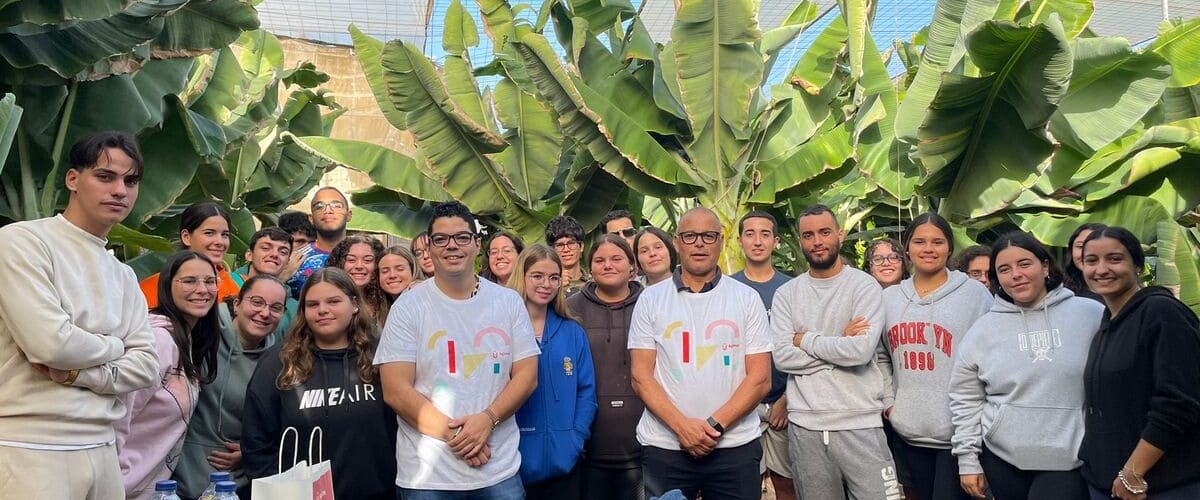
(1016, 392)
(927, 317)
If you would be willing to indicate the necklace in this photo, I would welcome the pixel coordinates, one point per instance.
(475, 291)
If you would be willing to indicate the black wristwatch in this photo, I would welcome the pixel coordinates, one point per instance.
(716, 425)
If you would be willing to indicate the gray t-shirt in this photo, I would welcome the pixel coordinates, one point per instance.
(766, 291)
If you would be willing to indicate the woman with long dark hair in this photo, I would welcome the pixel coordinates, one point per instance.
(1142, 380)
(1022, 363)
(500, 255)
(204, 229)
(322, 376)
(186, 336)
(1074, 267)
(928, 314)
(359, 256)
(557, 418)
(213, 440)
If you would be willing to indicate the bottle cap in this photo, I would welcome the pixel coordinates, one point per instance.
(216, 477)
(165, 485)
(226, 487)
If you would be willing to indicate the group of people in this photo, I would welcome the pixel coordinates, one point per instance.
(632, 369)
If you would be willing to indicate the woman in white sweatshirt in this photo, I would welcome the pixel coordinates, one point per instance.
(1016, 391)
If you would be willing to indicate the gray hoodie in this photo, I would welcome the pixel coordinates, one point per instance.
(833, 382)
(917, 353)
(1017, 384)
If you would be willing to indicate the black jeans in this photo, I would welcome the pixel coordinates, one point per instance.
(603, 483)
(1007, 482)
(934, 472)
(724, 474)
(564, 487)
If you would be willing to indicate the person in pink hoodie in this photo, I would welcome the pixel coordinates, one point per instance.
(186, 337)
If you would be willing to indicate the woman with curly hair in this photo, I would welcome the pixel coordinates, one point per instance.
(885, 261)
(359, 256)
(323, 376)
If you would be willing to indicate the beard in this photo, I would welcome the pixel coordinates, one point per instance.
(332, 234)
(822, 265)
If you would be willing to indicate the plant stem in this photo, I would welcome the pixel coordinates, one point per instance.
(50, 190)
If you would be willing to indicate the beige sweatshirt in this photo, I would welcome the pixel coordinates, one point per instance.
(65, 302)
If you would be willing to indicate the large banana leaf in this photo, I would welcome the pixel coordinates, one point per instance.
(1075, 14)
(458, 35)
(1137, 214)
(10, 117)
(828, 151)
(857, 14)
(606, 75)
(72, 47)
(937, 58)
(591, 191)
(203, 25)
(171, 160)
(1179, 43)
(1177, 266)
(380, 210)
(455, 146)
(815, 69)
(13, 12)
(1029, 69)
(531, 160)
(618, 143)
(600, 14)
(387, 168)
(1107, 161)
(719, 70)
(369, 53)
(1112, 87)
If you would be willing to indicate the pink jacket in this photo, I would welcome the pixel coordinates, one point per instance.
(150, 436)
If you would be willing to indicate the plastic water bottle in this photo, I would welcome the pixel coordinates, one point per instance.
(164, 490)
(226, 490)
(210, 492)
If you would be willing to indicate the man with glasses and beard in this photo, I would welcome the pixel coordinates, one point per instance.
(700, 348)
(456, 360)
(827, 324)
(330, 214)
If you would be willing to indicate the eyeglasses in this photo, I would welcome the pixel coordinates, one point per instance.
(565, 245)
(322, 206)
(878, 260)
(537, 278)
(502, 251)
(976, 274)
(708, 237)
(190, 283)
(461, 239)
(258, 304)
(627, 232)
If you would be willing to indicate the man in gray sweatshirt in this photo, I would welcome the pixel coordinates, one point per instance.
(827, 323)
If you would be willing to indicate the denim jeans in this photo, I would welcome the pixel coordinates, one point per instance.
(508, 489)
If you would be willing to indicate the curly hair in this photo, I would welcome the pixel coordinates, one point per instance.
(297, 351)
(896, 249)
(373, 296)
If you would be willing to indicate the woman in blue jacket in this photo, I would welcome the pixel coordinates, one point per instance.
(556, 420)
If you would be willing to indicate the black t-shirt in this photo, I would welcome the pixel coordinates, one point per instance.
(766, 291)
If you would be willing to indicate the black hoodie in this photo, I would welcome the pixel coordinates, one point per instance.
(614, 441)
(359, 428)
(1142, 381)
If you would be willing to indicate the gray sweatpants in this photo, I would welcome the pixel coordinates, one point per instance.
(828, 464)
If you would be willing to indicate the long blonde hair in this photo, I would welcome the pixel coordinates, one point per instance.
(532, 255)
(297, 351)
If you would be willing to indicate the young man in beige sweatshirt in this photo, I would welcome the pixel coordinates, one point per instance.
(73, 333)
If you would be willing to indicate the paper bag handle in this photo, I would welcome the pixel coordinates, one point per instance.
(318, 435)
(295, 449)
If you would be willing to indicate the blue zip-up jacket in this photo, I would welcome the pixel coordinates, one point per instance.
(557, 418)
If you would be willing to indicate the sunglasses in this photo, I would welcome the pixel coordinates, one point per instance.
(627, 232)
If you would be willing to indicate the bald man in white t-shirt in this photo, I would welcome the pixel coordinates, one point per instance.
(700, 347)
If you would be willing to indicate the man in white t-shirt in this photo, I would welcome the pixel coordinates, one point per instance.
(457, 358)
(701, 361)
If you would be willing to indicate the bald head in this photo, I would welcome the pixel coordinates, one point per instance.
(700, 217)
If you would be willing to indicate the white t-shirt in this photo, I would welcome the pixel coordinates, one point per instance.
(702, 340)
(464, 351)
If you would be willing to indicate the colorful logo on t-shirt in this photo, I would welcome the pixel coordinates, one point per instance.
(698, 352)
(467, 359)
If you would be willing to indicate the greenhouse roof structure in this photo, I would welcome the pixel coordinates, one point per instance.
(420, 21)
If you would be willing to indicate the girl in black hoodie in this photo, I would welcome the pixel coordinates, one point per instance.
(1141, 382)
(323, 376)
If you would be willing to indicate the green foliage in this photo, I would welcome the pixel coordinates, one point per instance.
(194, 80)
